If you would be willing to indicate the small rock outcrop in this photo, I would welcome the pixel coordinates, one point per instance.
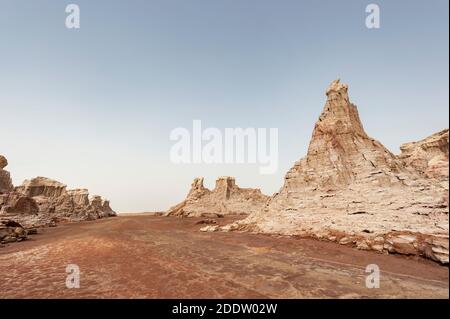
(225, 199)
(5, 179)
(41, 202)
(11, 231)
(352, 190)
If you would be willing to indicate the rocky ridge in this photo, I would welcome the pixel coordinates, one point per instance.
(42, 202)
(352, 190)
(225, 199)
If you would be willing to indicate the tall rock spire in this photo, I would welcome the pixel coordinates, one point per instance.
(340, 151)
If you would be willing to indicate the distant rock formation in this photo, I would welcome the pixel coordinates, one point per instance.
(350, 189)
(225, 199)
(41, 202)
(54, 199)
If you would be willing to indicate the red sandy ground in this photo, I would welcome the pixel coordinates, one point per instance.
(142, 256)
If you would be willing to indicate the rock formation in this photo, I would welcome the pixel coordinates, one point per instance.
(43, 202)
(5, 180)
(225, 199)
(11, 231)
(429, 156)
(350, 189)
(341, 153)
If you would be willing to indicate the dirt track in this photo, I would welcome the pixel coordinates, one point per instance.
(161, 257)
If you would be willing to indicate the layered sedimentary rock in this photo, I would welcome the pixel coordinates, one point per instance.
(44, 202)
(429, 156)
(14, 203)
(41, 186)
(350, 189)
(225, 199)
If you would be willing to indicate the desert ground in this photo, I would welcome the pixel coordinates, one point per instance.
(144, 256)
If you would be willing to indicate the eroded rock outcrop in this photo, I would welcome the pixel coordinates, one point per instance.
(11, 231)
(56, 204)
(225, 199)
(5, 179)
(14, 203)
(45, 202)
(41, 186)
(350, 189)
(429, 156)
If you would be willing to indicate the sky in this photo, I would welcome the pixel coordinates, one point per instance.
(94, 107)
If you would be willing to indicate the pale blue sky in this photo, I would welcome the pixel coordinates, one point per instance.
(94, 107)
